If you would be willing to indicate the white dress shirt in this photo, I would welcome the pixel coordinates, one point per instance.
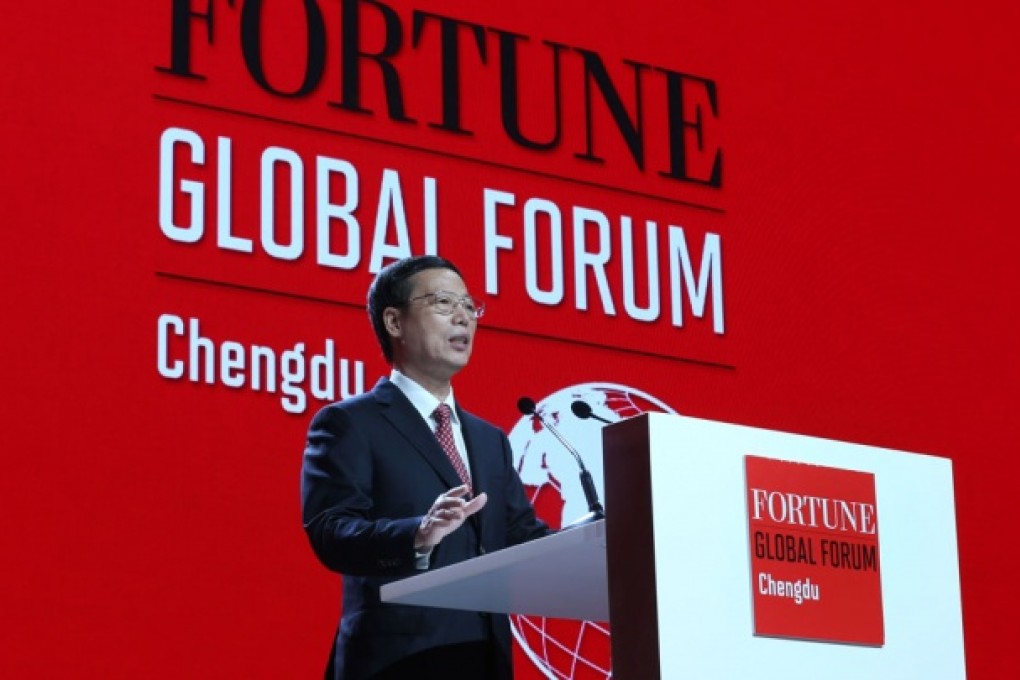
(425, 403)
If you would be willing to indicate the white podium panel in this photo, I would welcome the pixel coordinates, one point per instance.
(560, 576)
(681, 597)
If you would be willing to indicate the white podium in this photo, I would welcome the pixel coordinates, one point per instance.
(561, 576)
(675, 562)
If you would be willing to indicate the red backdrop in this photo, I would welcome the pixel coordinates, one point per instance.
(151, 525)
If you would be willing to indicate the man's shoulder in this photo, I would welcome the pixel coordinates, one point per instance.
(360, 403)
(470, 420)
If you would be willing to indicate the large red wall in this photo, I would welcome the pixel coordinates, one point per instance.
(867, 217)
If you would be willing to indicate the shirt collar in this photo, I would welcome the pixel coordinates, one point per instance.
(423, 401)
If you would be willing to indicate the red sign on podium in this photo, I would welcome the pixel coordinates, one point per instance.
(813, 537)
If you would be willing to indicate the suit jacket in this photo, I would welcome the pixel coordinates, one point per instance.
(372, 469)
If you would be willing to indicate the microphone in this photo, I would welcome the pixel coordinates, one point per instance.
(526, 405)
(583, 411)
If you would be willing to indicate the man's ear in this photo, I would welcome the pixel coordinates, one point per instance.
(391, 319)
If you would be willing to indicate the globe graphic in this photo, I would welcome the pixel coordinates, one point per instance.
(563, 649)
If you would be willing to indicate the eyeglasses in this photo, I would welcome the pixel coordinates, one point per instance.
(444, 302)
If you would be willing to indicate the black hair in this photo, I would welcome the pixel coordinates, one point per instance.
(392, 288)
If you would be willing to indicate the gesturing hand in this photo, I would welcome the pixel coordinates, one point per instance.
(446, 515)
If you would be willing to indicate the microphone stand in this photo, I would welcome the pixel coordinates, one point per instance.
(595, 510)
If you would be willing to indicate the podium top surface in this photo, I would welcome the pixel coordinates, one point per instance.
(560, 576)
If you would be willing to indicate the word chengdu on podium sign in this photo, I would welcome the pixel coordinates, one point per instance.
(814, 547)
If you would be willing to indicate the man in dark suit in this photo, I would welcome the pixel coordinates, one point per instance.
(402, 479)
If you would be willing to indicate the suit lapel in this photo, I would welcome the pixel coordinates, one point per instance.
(406, 420)
(482, 470)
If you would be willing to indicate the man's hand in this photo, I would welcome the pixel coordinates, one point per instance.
(445, 516)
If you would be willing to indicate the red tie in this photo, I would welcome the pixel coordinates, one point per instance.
(444, 433)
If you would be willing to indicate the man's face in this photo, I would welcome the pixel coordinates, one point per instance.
(428, 346)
